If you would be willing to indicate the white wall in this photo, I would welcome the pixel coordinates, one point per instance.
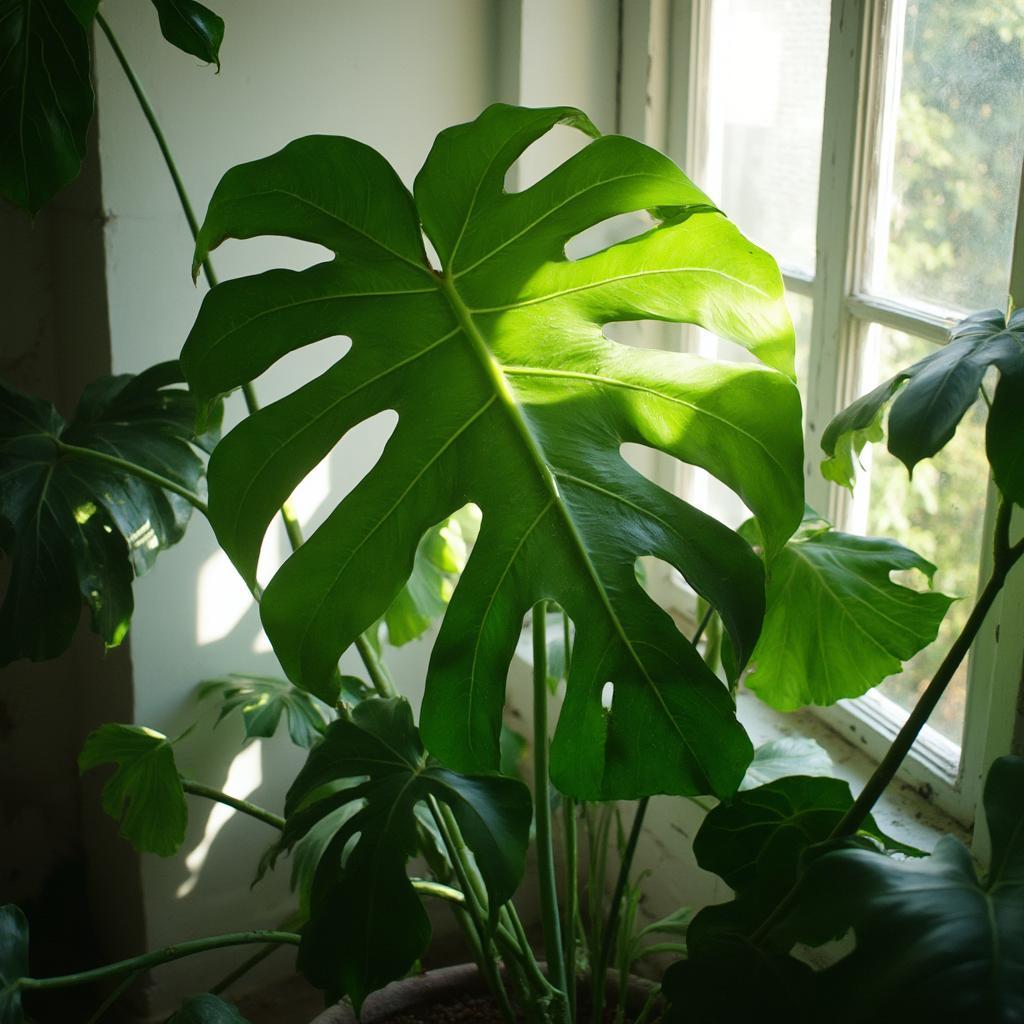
(391, 73)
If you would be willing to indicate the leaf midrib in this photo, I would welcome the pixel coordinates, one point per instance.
(464, 317)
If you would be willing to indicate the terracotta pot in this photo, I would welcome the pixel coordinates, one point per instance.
(447, 983)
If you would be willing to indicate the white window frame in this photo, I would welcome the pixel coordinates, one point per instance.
(662, 100)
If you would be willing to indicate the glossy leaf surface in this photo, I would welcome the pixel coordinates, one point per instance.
(191, 27)
(207, 1009)
(509, 396)
(262, 701)
(46, 98)
(366, 779)
(836, 624)
(934, 941)
(144, 793)
(787, 755)
(930, 398)
(79, 531)
(13, 962)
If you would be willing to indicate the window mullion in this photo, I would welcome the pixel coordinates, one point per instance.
(838, 204)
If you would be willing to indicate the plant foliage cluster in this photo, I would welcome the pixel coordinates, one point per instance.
(503, 493)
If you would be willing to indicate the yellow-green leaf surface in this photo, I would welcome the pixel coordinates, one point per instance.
(144, 793)
(510, 396)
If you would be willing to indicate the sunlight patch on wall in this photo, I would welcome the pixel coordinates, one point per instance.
(244, 777)
(222, 599)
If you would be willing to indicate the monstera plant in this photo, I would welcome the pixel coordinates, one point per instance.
(502, 495)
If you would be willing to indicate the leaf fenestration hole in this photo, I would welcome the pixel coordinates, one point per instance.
(607, 695)
(301, 364)
(608, 232)
(543, 156)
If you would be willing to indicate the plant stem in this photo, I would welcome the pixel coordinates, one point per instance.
(1004, 558)
(542, 807)
(442, 892)
(375, 667)
(115, 993)
(243, 969)
(474, 908)
(572, 898)
(253, 810)
(133, 469)
(160, 956)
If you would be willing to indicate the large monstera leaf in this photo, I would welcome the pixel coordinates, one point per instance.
(357, 799)
(77, 529)
(509, 396)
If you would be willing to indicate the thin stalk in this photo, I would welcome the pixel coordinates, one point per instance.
(626, 866)
(115, 993)
(474, 910)
(438, 890)
(542, 808)
(243, 969)
(133, 469)
(572, 897)
(649, 1005)
(1005, 557)
(1003, 560)
(160, 956)
(253, 810)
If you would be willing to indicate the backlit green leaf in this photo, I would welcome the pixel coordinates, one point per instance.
(262, 701)
(836, 624)
(191, 27)
(13, 963)
(78, 531)
(144, 793)
(351, 816)
(510, 396)
(46, 98)
(931, 397)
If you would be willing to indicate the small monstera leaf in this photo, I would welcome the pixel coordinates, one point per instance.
(207, 1009)
(13, 963)
(367, 926)
(836, 624)
(78, 530)
(509, 396)
(934, 941)
(262, 701)
(440, 558)
(191, 27)
(931, 397)
(145, 792)
(46, 98)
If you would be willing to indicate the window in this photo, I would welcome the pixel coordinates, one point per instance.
(875, 149)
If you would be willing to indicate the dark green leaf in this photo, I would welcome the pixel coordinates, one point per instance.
(355, 842)
(262, 701)
(934, 942)
(144, 792)
(788, 755)
(45, 98)
(13, 963)
(1003, 434)
(513, 750)
(738, 984)
(207, 1009)
(932, 396)
(509, 396)
(836, 624)
(191, 27)
(84, 10)
(440, 558)
(757, 839)
(76, 530)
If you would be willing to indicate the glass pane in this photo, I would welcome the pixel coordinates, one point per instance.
(951, 143)
(939, 514)
(766, 96)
